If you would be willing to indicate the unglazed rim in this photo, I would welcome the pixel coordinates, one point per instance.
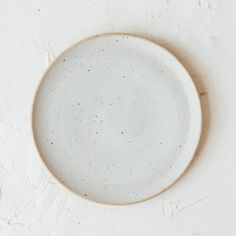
(182, 172)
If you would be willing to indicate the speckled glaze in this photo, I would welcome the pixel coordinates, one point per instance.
(116, 119)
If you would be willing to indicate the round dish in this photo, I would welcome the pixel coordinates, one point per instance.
(116, 119)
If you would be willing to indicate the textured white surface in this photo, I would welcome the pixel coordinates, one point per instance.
(202, 35)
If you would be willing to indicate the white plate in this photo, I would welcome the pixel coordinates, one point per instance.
(116, 119)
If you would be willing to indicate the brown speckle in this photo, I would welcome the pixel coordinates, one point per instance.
(203, 94)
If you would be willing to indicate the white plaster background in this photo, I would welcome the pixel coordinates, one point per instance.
(201, 33)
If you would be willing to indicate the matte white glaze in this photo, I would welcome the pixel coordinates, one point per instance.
(117, 119)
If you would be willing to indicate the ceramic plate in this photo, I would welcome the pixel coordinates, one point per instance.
(116, 119)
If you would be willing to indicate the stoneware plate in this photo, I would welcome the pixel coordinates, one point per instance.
(116, 119)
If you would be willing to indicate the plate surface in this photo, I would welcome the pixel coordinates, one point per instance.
(116, 119)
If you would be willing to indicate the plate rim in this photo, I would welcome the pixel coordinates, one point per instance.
(84, 40)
